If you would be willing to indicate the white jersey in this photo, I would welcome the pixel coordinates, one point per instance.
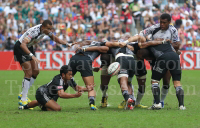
(171, 33)
(34, 34)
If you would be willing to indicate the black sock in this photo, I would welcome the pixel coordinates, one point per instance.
(91, 98)
(156, 93)
(180, 95)
(26, 107)
(125, 95)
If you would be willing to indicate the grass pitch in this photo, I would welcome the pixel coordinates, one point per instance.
(76, 112)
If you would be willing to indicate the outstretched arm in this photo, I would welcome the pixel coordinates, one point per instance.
(102, 49)
(152, 43)
(65, 95)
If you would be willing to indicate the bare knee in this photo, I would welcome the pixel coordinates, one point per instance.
(58, 108)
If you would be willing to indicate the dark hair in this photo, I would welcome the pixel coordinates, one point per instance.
(165, 16)
(45, 22)
(64, 69)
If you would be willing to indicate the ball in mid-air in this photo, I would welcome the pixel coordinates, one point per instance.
(113, 68)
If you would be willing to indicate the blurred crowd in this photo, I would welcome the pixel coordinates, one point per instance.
(79, 20)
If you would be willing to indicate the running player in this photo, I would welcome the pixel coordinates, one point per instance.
(24, 54)
(47, 95)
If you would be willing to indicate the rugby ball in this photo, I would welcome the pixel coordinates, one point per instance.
(113, 68)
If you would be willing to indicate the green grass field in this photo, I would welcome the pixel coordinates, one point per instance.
(76, 112)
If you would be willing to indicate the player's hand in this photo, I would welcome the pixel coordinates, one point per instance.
(90, 87)
(122, 44)
(35, 59)
(142, 45)
(78, 94)
(79, 49)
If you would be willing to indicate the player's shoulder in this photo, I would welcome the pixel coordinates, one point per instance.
(172, 28)
(35, 28)
(57, 80)
(155, 26)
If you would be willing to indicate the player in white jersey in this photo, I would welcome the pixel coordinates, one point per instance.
(165, 31)
(24, 54)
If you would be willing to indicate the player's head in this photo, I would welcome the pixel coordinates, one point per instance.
(165, 20)
(66, 72)
(47, 25)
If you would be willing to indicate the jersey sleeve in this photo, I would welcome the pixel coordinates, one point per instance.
(148, 30)
(175, 37)
(31, 33)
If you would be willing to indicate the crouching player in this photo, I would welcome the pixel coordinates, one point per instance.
(47, 95)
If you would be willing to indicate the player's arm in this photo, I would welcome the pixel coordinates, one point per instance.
(24, 47)
(57, 40)
(175, 40)
(102, 49)
(82, 89)
(65, 95)
(152, 43)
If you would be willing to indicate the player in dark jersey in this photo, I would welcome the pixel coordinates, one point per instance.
(24, 54)
(47, 95)
(162, 30)
(82, 62)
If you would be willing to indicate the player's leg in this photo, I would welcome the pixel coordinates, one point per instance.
(89, 81)
(175, 70)
(26, 67)
(157, 73)
(85, 68)
(35, 71)
(52, 105)
(106, 59)
(141, 79)
(165, 87)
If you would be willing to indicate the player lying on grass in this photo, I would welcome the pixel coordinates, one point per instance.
(47, 95)
(24, 54)
(165, 31)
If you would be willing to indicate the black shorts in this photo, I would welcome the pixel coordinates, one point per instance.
(20, 55)
(82, 64)
(140, 68)
(168, 61)
(127, 66)
(41, 96)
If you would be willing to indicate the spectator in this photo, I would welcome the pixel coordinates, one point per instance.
(10, 9)
(25, 11)
(39, 5)
(173, 4)
(184, 21)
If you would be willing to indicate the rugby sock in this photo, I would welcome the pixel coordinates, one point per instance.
(180, 95)
(156, 92)
(132, 95)
(91, 99)
(104, 90)
(25, 87)
(164, 92)
(139, 97)
(125, 95)
(32, 81)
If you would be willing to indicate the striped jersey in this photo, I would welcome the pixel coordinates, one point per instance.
(34, 34)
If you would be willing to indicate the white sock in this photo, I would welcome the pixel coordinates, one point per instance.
(139, 97)
(133, 97)
(164, 93)
(31, 82)
(25, 87)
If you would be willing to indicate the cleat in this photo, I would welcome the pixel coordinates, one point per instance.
(21, 107)
(129, 104)
(141, 106)
(182, 107)
(162, 104)
(155, 107)
(93, 107)
(122, 104)
(104, 102)
(23, 103)
(20, 96)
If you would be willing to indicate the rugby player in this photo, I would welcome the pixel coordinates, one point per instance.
(24, 54)
(47, 95)
(161, 30)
